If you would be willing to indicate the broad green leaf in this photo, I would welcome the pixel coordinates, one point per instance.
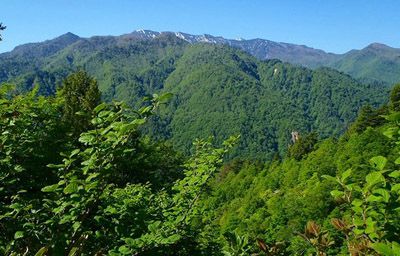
(130, 241)
(374, 178)
(390, 132)
(379, 162)
(384, 249)
(383, 192)
(337, 193)
(396, 188)
(346, 174)
(357, 202)
(86, 138)
(74, 152)
(373, 198)
(357, 209)
(71, 188)
(96, 121)
(50, 188)
(153, 227)
(76, 225)
(172, 239)
(19, 234)
(100, 107)
(393, 117)
(124, 250)
(394, 174)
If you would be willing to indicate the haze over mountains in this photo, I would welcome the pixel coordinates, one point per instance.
(374, 63)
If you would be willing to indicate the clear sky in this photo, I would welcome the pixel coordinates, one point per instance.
(332, 25)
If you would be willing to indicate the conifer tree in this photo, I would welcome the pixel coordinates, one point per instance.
(81, 95)
(395, 98)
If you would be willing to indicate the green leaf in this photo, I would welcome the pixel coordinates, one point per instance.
(383, 249)
(145, 110)
(18, 235)
(74, 152)
(76, 226)
(42, 251)
(172, 239)
(393, 117)
(73, 251)
(394, 174)
(71, 188)
(55, 166)
(100, 107)
(379, 162)
(390, 132)
(374, 178)
(346, 174)
(86, 138)
(373, 198)
(396, 188)
(357, 202)
(328, 177)
(130, 241)
(384, 193)
(153, 227)
(337, 193)
(50, 188)
(124, 250)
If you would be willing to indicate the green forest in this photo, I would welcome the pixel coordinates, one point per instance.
(83, 177)
(217, 90)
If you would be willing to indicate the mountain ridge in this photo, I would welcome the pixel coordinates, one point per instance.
(376, 62)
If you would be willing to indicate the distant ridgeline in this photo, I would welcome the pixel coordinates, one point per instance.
(218, 90)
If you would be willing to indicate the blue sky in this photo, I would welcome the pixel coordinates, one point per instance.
(332, 25)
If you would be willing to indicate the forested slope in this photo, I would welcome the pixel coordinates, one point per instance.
(218, 90)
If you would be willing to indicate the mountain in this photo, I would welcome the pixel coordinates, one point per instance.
(218, 90)
(375, 63)
(260, 48)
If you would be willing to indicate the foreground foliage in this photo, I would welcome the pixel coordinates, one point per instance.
(109, 191)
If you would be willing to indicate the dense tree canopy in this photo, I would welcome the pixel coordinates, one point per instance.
(109, 189)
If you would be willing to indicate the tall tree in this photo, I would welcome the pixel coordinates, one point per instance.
(395, 98)
(81, 95)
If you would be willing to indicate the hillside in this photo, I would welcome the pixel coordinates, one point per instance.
(274, 201)
(219, 90)
(376, 62)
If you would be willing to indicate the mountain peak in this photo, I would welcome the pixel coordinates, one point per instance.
(378, 46)
(64, 40)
